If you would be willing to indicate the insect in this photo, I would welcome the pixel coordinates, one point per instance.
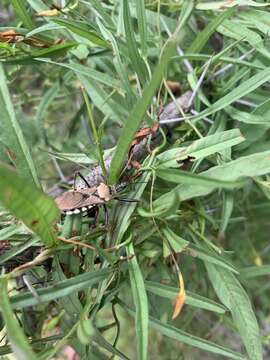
(74, 202)
(89, 198)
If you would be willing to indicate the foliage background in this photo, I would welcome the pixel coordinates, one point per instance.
(216, 226)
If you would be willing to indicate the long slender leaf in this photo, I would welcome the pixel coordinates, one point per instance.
(84, 31)
(201, 148)
(13, 137)
(247, 166)
(60, 289)
(239, 31)
(21, 10)
(184, 177)
(141, 304)
(243, 89)
(203, 36)
(89, 72)
(186, 338)
(19, 343)
(37, 210)
(254, 271)
(192, 299)
(135, 57)
(136, 115)
(233, 296)
(140, 9)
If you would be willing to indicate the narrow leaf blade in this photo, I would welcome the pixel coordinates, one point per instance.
(37, 210)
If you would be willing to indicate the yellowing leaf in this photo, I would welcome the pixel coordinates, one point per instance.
(180, 299)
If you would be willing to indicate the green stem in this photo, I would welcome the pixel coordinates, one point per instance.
(95, 133)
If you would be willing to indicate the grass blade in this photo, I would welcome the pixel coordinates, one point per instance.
(19, 343)
(141, 303)
(37, 210)
(12, 136)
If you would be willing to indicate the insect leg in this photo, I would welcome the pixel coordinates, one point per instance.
(106, 215)
(77, 173)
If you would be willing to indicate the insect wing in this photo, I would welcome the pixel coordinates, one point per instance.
(70, 200)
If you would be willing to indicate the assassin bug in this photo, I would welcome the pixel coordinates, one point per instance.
(89, 198)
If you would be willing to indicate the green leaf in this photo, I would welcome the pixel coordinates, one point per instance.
(248, 118)
(12, 136)
(83, 30)
(258, 18)
(98, 6)
(122, 214)
(234, 297)
(203, 36)
(254, 271)
(209, 256)
(227, 208)
(119, 64)
(142, 25)
(225, 59)
(177, 243)
(220, 5)
(44, 104)
(141, 303)
(243, 89)
(19, 343)
(99, 76)
(192, 299)
(134, 55)
(23, 14)
(103, 343)
(37, 210)
(60, 289)
(246, 166)
(136, 115)
(238, 31)
(37, 5)
(200, 149)
(102, 99)
(185, 177)
(186, 338)
(16, 250)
